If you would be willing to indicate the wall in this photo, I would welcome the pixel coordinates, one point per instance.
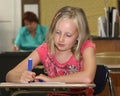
(92, 8)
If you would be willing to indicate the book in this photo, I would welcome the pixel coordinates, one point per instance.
(110, 12)
(102, 27)
(115, 23)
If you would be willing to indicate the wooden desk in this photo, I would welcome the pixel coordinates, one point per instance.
(107, 44)
(109, 59)
(45, 87)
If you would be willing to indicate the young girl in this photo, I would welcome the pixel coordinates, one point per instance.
(68, 54)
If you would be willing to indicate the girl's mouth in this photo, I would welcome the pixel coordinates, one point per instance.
(61, 45)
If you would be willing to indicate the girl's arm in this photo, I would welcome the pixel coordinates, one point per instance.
(85, 76)
(20, 73)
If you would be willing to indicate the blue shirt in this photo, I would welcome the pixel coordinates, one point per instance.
(25, 41)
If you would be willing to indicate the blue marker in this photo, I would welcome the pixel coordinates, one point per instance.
(29, 64)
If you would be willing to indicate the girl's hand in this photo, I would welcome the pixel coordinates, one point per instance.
(43, 78)
(27, 77)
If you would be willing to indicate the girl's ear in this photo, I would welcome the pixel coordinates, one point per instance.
(76, 42)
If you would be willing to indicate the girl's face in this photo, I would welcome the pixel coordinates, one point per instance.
(66, 35)
(30, 25)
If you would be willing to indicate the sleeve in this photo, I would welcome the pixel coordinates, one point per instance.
(87, 44)
(42, 52)
(18, 38)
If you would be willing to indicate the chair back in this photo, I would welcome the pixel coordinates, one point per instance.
(101, 77)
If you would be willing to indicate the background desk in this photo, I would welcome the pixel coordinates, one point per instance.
(112, 61)
(104, 45)
(107, 44)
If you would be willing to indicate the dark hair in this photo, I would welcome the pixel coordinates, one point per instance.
(30, 16)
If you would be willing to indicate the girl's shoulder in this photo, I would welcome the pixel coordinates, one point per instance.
(86, 44)
(42, 51)
(42, 47)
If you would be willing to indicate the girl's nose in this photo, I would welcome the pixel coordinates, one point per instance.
(61, 38)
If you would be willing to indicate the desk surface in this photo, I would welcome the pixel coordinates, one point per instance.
(45, 85)
(117, 66)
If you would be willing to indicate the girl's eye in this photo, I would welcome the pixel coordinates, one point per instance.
(57, 32)
(68, 35)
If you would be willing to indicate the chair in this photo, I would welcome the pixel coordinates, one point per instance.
(101, 79)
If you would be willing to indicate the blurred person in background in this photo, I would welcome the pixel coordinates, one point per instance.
(31, 35)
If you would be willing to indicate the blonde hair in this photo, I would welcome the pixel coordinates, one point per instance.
(78, 15)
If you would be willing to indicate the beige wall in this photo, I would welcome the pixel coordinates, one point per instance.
(92, 8)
